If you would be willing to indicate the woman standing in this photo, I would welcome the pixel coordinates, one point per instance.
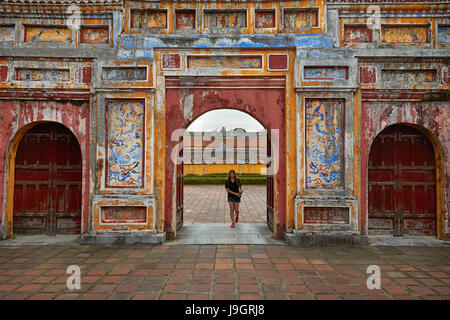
(234, 188)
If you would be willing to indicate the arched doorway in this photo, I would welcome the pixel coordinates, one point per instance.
(214, 143)
(47, 182)
(402, 183)
(189, 97)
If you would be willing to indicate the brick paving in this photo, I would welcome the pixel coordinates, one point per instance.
(208, 204)
(224, 272)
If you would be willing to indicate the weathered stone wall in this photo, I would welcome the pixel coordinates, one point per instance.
(119, 70)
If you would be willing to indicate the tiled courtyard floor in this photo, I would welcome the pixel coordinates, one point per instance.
(224, 272)
(208, 204)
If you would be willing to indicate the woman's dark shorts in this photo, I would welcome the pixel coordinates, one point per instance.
(232, 200)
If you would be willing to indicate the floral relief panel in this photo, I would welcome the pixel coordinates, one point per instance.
(94, 34)
(324, 143)
(125, 143)
(357, 34)
(47, 34)
(405, 34)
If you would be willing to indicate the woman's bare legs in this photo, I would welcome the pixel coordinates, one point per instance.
(236, 210)
(231, 211)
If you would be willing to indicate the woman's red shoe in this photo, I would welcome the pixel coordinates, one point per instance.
(237, 218)
(232, 225)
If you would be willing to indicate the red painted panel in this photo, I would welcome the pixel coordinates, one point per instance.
(185, 19)
(278, 61)
(446, 75)
(52, 185)
(171, 61)
(367, 74)
(3, 73)
(87, 75)
(402, 192)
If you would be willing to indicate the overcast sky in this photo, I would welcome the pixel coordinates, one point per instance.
(230, 119)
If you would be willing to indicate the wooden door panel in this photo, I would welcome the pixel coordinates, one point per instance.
(418, 177)
(270, 202)
(67, 225)
(402, 183)
(384, 176)
(417, 226)
(384, 225)
(179, 193)
(74, 194)
(30, 225)
(32, 175)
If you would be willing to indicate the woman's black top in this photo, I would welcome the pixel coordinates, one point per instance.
(233, 186)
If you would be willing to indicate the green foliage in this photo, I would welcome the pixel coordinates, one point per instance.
(219, 178)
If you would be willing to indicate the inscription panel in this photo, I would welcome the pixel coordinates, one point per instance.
(326, 215)
(124, 74)
(43, 75)
(234, 19)
(301, 18)
(125, 214)
(148, 19)
(403, 76)
(325, 73)
(226, 62)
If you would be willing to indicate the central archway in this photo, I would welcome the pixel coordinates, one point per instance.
(215, 143)
(188, 98)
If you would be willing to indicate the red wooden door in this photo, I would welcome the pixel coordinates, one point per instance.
(402, 183)
(270, 200)
(47, 185)
(269, 189)
(179, 192)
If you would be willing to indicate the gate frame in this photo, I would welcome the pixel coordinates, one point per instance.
(286, 224)
(280, 189)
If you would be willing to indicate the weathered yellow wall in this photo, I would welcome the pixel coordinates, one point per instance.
(202, 169)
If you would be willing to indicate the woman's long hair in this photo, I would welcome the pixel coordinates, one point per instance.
(235, 177)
